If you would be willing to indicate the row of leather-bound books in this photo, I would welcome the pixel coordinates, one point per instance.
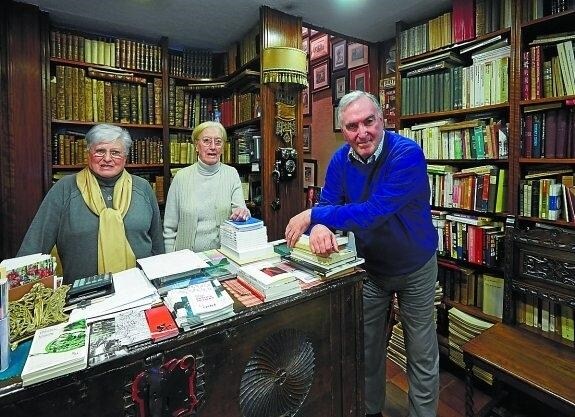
(111, 52)
(76, 96)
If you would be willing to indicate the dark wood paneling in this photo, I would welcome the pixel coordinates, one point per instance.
(279, 29)
(23, 147)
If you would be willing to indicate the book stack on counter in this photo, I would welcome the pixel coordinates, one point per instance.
(334, 265)
(201, 303)
(117, 336)
(269, 280)
(56, 350)
(462, 328)
(174, 269)
(246, 241)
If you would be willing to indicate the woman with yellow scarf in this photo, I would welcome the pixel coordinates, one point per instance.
(101, 219)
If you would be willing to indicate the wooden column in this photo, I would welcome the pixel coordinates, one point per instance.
(279, 29)
(24, 153)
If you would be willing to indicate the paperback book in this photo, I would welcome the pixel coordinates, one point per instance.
(56, 350)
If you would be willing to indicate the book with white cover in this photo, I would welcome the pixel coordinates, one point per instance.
(172, 264)
(331, 259)
(303, 242)
(249, 224)
(56, 350)
(266, 274)
(257, 253)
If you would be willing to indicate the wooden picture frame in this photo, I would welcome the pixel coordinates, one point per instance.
(335, 119)
(319, 47)
(309, 173)
(305, 46)
(339, 85)
(357, 55)
(306, 135)
(306, 101)
(359, 79)
(339, 55)
(320, 76)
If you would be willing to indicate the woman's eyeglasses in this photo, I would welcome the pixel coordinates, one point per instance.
(114, 154)
(207, 141)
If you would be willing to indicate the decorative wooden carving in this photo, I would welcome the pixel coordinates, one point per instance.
(278, 376)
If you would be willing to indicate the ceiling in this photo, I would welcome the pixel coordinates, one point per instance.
(216, 24)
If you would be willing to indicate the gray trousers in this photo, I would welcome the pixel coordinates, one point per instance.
(415, 293)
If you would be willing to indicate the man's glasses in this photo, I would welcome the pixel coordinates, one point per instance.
(114, 154)
(207, 141)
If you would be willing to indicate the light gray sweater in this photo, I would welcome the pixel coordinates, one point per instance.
(200, 199)
(64, 219)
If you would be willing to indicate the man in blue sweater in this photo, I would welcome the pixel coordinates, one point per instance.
(376, 186)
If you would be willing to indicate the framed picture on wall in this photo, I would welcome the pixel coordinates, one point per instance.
(319, 47)
(304, 31)
(320, 74)
(359, 79)
(306, 101)
(357, 54)
(305, 45)
(339, 55)
(309, 173)
(339, 85)
(307, 139)
(336, 127)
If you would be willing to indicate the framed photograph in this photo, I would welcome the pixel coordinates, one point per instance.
(307, 139)
(339, 55)
(359, 79)
(319, 47)
(357, 54)
(313, 32)
(336, 127)
(306, 101)
(304, 31)
(309, 173)
(305, 45)
(389, 52)
(320, 74)
(312, 196)
(339, 85)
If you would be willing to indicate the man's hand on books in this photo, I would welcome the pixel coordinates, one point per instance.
(240, 214)
(297, 225)
(322, 241)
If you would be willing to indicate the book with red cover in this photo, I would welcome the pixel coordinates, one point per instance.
(561, 136)
(463, 20)
(161, 323)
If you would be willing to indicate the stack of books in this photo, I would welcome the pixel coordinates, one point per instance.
(118, 335)
(462, 328)
(246, 241)
(268, 280)
(201, 303)
(56, 350)
(333, 265)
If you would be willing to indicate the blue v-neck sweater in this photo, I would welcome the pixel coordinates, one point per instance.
(392, 225)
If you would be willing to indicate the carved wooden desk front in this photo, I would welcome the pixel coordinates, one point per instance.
(301, 355)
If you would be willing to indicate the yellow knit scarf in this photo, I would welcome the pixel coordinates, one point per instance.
(114, 251)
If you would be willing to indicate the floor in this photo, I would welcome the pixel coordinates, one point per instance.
(451, 393)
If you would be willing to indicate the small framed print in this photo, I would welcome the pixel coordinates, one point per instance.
(307, 139)
(319, 47)
(313, 32)
(320, 74)
(306, 102)
(357, 54)
(336, 127)
(309, 173)
(359, 79)
(339, 85)
(339, 55)
(305, 45)
(304, 31)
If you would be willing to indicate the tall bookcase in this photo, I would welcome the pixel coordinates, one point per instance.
(541, 298)
(484, 102)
